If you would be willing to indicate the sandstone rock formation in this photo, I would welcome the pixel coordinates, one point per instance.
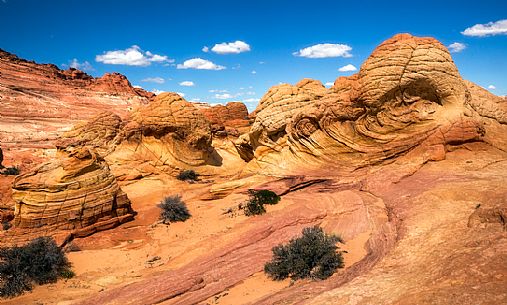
(40, 101)
(75, 191)
(407, 94)
(226, 119)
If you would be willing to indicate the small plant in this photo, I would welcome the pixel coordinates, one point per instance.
(6, 225)
(13, 171)
(257, 200)
(187, 175)
(313, 255)
(264, 196)
(39, 262)
(173, 209)
(253, 207)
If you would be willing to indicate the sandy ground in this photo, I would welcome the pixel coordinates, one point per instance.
(146, 247)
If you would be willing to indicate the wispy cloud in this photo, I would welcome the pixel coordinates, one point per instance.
(83, 66)
(347, 68)
(456, 47)
(229, 47)
(329, 84)
(199, 64)
(157, 92)
(218, 91)
(132, 56)
(491, 87)
(489, 29)
(325, 50)
(187, 83)
(223, 96)
(157, 80)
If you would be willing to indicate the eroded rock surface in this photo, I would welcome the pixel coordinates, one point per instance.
(407, 94)
(40, 101)
(227, 119)
(75, 191)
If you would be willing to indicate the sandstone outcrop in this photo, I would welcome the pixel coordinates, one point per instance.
(408, 94)
(40, 101)
(227, 119)
(76, 191)
(167, 133)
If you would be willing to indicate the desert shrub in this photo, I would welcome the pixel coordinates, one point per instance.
(313, 255)
(6, 225)
(13, 170)
(173, 209)
(39, 262)
(264, 196)
(187, 175)
(253, 207)
(256, 201)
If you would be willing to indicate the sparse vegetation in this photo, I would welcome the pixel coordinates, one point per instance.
(39, 262)
(173, 209)
(13, 170)
(187, 175)
(313, 255)
(6, 225)
(257, 200)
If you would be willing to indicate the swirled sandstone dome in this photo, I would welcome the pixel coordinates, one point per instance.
(407, 94)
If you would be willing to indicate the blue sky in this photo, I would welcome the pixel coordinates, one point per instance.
(165, 34)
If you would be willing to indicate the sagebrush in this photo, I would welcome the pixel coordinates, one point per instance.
(313, 255)
(188, 174)
(39, 262)
(173, 209)
(257, 199)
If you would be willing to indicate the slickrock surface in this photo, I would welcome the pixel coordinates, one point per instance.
(407, 94)
(405, 160)
(74, 191)
(40, 101)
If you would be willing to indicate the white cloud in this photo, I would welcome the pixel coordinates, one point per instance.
(157, 92)
(218, 91)
(329, 84)
(137, 86)
(456, 47)
(489, 29)
(83, 66)
(250, 93)
(231, 48)
(157, 80)
(254, 72)
(205, 49)
(261, 62)
(132, 56)
(347, 68)
(180, 94)
(196, 100)
(491, 87)
(199, 64)
(223, 96)
(325, 50)
(251, 100)
(187, 83)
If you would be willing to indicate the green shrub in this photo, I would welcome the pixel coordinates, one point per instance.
(13, 170)
(173, 209)
(313, 255)
(187, 175)
(253, 207)
(257, 200)
(39, 262)
(264, 196)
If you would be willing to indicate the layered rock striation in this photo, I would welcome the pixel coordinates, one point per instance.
(76, 191)
(41, 101)
(408, 97)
